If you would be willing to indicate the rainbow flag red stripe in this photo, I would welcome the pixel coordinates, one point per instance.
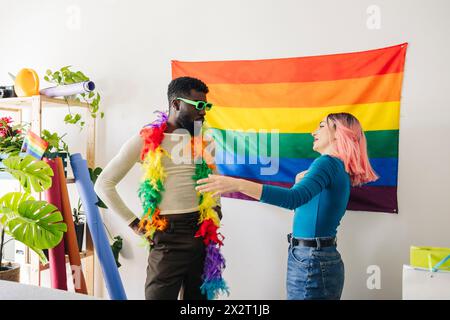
(289, 97)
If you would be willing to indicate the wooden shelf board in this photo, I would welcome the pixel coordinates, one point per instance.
(83, 254)
(26, 102)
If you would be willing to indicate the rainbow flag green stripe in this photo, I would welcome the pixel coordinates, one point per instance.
(381, 144)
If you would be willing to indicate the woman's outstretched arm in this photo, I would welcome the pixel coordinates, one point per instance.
(223, 184)
(319, 176)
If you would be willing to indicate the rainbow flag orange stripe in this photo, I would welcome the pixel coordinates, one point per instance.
(312, 94)
(266, 109)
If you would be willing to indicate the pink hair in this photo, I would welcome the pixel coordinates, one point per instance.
(351, 147)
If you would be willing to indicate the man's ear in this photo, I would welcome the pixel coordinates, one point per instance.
(175, 104)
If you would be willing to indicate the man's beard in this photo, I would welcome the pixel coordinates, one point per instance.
(192, 126)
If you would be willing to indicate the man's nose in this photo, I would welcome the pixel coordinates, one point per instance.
(202, 112)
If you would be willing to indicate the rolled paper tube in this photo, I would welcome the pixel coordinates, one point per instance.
(100, 240)
(70, 237)
(57, 254)
(69, 89)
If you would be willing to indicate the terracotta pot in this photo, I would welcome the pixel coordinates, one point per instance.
(12, 272)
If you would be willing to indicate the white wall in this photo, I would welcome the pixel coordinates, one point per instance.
(126, 47)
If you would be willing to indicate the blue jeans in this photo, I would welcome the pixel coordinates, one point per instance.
(314, 273)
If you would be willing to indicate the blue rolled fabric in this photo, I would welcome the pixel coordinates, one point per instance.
(101, 244)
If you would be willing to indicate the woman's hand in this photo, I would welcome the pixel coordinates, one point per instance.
(300, 176)
(223, 184)
(218, 184)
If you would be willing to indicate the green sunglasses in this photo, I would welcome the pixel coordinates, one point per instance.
(199, 105)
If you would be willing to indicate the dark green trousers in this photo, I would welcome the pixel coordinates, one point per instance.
(175, 261)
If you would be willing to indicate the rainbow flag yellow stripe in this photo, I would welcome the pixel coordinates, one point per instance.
(290, 120)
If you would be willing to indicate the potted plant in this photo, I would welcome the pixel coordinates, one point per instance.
(8, 271)
(57, 147)
(79, 220)
(11, 137)
(66, 76)
(37, 224)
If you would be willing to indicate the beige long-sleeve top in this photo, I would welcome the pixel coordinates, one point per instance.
(179, 195)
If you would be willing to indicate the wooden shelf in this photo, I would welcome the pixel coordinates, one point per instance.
(83, 254)
(14, 104)
(35, 105)
(70, 180)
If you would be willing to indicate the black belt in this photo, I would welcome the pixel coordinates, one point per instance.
(181, 221)
(313, 243)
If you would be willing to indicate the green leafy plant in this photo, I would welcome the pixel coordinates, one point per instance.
(94, 173)
(55, 142)
(31, 173)
(66, 76)
(11, 136)
(78, 214)
(116, 247)
(37, 224)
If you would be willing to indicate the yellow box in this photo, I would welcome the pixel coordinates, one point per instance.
(429, 257)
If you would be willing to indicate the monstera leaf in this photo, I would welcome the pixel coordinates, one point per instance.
(9, 204)
(30, 172)
(37, 224)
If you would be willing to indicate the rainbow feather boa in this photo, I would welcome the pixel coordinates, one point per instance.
(150, 194)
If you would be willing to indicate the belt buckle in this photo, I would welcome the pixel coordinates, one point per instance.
(289, 239)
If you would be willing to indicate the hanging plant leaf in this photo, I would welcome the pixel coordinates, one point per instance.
(94, 175)
(116, 247)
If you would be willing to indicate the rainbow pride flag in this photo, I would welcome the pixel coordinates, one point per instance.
(34, 145)
(265, 110)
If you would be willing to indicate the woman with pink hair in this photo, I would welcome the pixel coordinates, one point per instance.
(319, 198)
